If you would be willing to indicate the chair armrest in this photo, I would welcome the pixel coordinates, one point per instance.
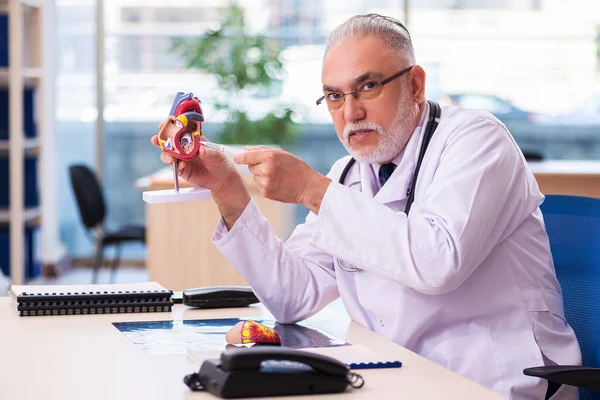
(584, 377)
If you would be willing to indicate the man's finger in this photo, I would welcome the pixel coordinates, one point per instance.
(181, 165)
(262, 183)
(253, 169)
(257, 169)
(252, 157)
(259, 180)
(210, 154)
(254, 148)
(166, 158)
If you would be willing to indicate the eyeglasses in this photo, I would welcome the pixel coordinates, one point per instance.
(366, 91)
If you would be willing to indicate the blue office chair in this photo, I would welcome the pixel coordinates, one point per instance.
(573, 226)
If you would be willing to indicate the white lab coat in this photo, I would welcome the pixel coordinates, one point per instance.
(466, 280)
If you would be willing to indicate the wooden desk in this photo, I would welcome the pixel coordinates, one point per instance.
(580, 178)
(86, 357)
(180, 254)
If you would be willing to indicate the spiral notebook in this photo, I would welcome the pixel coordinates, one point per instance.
(30, 300)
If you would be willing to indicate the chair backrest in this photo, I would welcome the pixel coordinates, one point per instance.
(88, 193)
(573, 226)
(533, 155)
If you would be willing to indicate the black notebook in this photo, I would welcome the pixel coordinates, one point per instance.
(32, 300)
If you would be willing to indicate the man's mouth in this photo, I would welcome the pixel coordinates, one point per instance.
(359, 135)
(359, 132)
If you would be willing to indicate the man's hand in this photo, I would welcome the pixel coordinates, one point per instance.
(212, 170)
(282, 176)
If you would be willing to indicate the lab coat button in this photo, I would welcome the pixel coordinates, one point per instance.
(381, 322)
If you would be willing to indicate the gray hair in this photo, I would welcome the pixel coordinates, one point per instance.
(395, 35)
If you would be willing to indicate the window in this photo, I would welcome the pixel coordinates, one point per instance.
(522, 61)
(131, 14)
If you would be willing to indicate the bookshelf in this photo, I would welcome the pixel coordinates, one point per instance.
(24, 77)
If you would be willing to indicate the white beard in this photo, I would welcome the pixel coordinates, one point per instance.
(392, 141)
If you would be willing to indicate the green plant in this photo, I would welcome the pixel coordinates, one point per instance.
(242, 63)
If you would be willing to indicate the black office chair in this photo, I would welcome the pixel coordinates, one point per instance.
(92, 210)
(533, 155)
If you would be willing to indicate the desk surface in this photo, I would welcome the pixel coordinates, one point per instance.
(565, 167)
(86, 357)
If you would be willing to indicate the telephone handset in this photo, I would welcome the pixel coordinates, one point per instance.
(272, 371)
(243, 360)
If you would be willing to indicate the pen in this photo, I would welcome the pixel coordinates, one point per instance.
(230, 151)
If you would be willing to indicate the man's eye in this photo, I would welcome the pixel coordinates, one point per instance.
(368, 86)
(333, 96)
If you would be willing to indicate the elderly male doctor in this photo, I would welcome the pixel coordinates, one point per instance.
(465, 279)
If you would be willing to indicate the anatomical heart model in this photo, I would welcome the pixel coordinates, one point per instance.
(179, 136)
(180, 133)
(252, 332)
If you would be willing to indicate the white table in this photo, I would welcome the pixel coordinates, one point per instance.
(86, 357)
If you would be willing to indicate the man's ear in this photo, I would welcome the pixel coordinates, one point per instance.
(418, 79)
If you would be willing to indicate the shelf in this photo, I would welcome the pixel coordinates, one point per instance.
(32, 3)
(30, 145)
(28, 3)
(30, 75)
(31, 216)
(33, 29)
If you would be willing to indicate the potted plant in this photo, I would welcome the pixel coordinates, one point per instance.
(244, 64)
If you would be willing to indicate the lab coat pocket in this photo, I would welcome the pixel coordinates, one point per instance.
(472, 356)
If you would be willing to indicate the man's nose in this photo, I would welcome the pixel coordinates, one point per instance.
(353, 109)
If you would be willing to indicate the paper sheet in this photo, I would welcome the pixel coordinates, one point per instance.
(208, 335)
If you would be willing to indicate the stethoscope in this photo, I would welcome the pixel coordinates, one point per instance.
(435, 113)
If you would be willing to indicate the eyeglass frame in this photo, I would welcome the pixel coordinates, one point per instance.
(355, 92)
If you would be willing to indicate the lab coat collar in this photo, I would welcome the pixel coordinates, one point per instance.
(396, 188)
(354, 176)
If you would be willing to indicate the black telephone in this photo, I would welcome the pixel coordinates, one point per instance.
(219, 297)
(271, 371)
